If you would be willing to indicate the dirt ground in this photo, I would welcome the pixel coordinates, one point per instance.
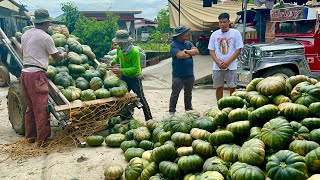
(88, 163)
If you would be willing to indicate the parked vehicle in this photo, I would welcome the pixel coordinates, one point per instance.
(295, 51)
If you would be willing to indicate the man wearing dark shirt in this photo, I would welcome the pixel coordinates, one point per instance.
(182, 52)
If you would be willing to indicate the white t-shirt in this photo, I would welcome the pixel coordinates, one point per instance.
(224, 45)
(36, 45)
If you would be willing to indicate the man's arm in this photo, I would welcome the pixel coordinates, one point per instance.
(232, 58)
(215, 59)
(59, 56)
(193, 51)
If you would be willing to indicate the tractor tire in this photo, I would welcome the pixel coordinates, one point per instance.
(16, 108)
(4, 77)
(284, 72)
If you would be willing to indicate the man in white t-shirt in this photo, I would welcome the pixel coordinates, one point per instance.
(225, 46)
(37, 45)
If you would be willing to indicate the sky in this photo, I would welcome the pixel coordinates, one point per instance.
(149, 8)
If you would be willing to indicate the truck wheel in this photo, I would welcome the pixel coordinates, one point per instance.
(284, 72)
(4, 76)
(203, 48)
(16, 108)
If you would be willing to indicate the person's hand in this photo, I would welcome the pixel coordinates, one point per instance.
(64, 54)
(111, 63)
(116, 70)
(224, 65)
(220, 63)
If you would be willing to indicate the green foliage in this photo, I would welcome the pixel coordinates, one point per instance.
(163, 21)
(97, 34)
(150, 46)
(71, 15)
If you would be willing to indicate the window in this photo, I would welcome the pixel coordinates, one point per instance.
(291, 27)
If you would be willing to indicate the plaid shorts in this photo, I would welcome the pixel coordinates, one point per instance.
(221, 76)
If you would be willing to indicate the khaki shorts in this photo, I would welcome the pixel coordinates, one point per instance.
(220, 76)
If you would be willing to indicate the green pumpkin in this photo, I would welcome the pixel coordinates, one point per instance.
(221, 137)
(164, 152)
(72, 93)
(252, 152)
(102, 68)
(87, 95)
(118, 91)
(113, 172)
(212, 112)
(51, 72)
(272, 85)
(129, 135)
(221, 118)
(169, 169)
(230, 101)
(96, 83)
(170, 143)
(63, 79)
(255, 132)
(190, 163)
(263, 114)
(94, 140)
(314, 109)
(245, 171)
(82, 83)
(84, 58)
(181, 139)
(302, 147)
(89, 74)
(147, 155)
(281, 99)
(111, 81)
(192, 176)
(305, 94)
(75, 47)
(102, 93)
(149, 171)
(164, 136)
(203, 148)
(240, 93)
(74, 58)
(238, 114)
(146, 145)
(197, 133)
(312, 160)
(239, 128)
(155, 137)
(294, 80)
(286, 164)
(228, 152)
(129, 144)
(133, 169)
(311, 123)
(216, 164)
(114, 140)
(277, 133)
(257, 100)
(211, 175)
(179, 123)
(152, 124)
(87, 51)
(252, 84)
(132, 153)
(76, 69)
(205, 123)
(134, 124)
(142, 133)
(293, 111)
(184, 151)
(300, 132)
(315, 135)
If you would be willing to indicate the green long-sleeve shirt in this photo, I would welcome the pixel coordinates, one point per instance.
(129, 63)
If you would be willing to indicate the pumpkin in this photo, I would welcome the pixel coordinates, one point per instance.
(129, 135)
(82, 83)
(63, 79)
(94, 140)
(181, 139)
(74, 58)
(238, 115)
(164, 136)
(221, 137)
(255, 132)
(216, 164)
(129, 144)
(190, 163)
(192, 176)
(263, 114)
(102, 93)
(51, 72)
(164, 152)
(294, 80)
(179, 124)
(114, 140)
(96, 83)
(222, 117)
(302, 147)
(212, 112)
(300, 132)
(211, 175)
(286, 164)
(152, 124)
(312, 160)
(146, 145)
(257, 100)
(84, 58)
(171, 143)
(132, 153)
(252, 152)
(314, 109)
(113, 172)
(315, 135)
(62, 69)
(239, 128)
(102, 68)
(240, 93)
(142, 133)
(134, 124)
(169, 169)
(87, 95)
(281, 99)
(76, 69)
(311, 123)
(205, 123)
(149, 171)
(121, 128)
(111, 81)
(277, 133)
(293, 111)
(203, 148)
(272, 85)
(197, 133)
(118, 91)
(89, 74)
(133, 169)
(252, 84)
(75, 46)
(184, 151)
(147, 155)
(228, 152)
(113, 121)
(230, 101)
(245, 171)
(71, 93)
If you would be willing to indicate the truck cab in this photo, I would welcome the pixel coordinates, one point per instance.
(296, 49)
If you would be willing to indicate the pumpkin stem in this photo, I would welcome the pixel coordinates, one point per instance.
(282, 165)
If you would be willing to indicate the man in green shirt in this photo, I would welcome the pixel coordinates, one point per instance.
(128, 57)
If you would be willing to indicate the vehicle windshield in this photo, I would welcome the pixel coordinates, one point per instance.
(292, 27)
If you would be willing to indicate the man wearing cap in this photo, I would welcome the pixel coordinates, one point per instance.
(128, 57)
(225, 46)
(37, 45)
(182, 52)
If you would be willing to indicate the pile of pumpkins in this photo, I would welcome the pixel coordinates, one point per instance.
(270, 130)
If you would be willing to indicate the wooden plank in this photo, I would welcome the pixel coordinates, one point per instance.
(56, 94)
(71, 106)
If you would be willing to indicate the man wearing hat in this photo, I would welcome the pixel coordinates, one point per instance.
(37, 46)
(182, 52)
(128, 57)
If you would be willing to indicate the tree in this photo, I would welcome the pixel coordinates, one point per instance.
(97, 34)
(163, 21)
(71, 15)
